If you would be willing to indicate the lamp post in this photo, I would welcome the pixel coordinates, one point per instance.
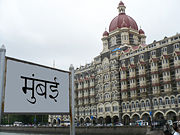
(72, 126)
(2, 73)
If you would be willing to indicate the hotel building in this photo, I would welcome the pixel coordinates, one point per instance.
(129, 80)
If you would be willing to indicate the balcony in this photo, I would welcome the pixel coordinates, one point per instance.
(85, 85)
(177, 64)
(124, 110)
(178, 88)
(154, 72)
(124, 97)
(80, 96)
(142, 72)
(114, 67)
(137, 109)
(147, 108)
(86, 103)
(107, 99)
(155, 83)
(143, 94)
(100, 80)
(165, 65)
(107, 89)
(106, 71)
(128, 110)
(133, 95)
(115, 98)
(132, 76)
(101, 100)
(124, 89)
(173, 106)
(91, 84)
(107, 79)
(114, 88)
(123, 79)
(113, 78)
(86, 95)
(92, 101)
(143, 84)
(92, 93)
(161, 106)
(156, 92)
(80, 87)
(99, 72)
(143, 109)
(156, 107)
(167, 106)
(168, 90)
(142, 75)
(133, 87)
(133, 110)
(165, 69)
(166, 80)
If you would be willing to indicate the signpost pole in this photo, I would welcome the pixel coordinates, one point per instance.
(72, 126)
(2, 73)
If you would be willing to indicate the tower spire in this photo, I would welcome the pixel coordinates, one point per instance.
(121, 7)
(54, 64)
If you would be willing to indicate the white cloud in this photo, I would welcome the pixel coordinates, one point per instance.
(69, 31)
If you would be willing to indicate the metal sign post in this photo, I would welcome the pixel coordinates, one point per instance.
(2, 71)
(27, 87)
(72, 126)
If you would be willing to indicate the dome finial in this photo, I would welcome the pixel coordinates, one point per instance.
(121, 8)
(141, 31)
(105, 33)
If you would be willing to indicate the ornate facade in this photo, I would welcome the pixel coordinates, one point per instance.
(129, 80)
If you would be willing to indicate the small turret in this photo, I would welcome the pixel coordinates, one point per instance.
(121, 8)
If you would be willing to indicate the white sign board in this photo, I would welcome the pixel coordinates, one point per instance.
(32, 88)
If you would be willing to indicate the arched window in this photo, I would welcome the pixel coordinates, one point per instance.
(172, 100)
(115, 108)
(137, 104)
(100, 109)
(147, 103)
(124, 106)
(107, 109)
(142, 104)
(94, 110)
(160, 101)
(106, 85)
(113, 95)
(114, 84)
(155, 102)
(127, 105)
(133, 105)
(167, 100)
(178, 99)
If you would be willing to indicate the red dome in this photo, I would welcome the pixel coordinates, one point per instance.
(124, 24)
(121, 3)
(105, 33)
(141, 31)
(120, 20)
